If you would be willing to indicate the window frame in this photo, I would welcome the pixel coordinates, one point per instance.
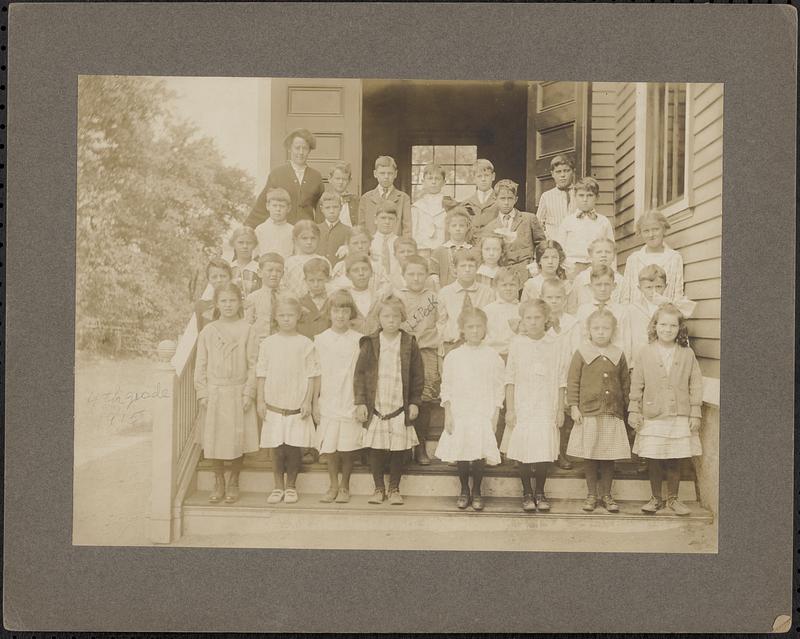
(459, 143)
(679, 209)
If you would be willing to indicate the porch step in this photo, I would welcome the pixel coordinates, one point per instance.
(252, 515)
(441, 480)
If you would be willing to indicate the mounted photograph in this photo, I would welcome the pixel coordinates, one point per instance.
(397, 314)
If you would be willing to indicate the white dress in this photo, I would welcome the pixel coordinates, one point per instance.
(287, 363)
(389, 434)
(473, 383)
(537, 371)
(338, 428)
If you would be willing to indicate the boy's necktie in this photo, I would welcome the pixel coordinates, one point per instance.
(556, 324)
(273, 323)
(467, 305)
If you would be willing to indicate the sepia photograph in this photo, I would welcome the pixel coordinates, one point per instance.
(398, 314)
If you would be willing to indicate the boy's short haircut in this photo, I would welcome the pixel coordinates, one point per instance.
(317, 266)
(386, 206)
(601, 270)
(471, 313)
(329, 196)
(504, 273)
(459, 212)
(405, 241)
(218, 262)
(356, 258)
(243, 231)
(343, 299)
(561, 160)
(392, 302)
(652, 216)
(270, 258)
(553, 283)
(465, 255)
(588, 184)
(418, 260)
(507, 185)
(305, 225)
(602, 240)
(279, 195)
(344, 167)
(432, 168)
(482, 164)
(652, 273)
(385, 160)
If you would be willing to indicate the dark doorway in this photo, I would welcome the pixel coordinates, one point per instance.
(452, 117)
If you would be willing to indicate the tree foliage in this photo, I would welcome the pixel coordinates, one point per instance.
(154, 200)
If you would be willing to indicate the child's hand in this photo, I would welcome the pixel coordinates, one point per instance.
(575, 413)
(635, 421)
(511, 418)
(361, 413)
(449, 426)
(247, 402)
(305, 409)
(559, 418)
(694, 424)
(315, 413)
(413, 412)
(341, 251)
(261, 410)
(495, 417)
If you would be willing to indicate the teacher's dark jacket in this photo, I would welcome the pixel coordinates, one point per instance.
(304, 196)
(365, 381)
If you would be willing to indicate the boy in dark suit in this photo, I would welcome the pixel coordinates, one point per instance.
(520, 230)
(313, 318)
(333, 233)
(483, 203)
(385, 173)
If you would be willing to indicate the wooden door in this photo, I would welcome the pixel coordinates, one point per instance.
(331, 110)
(558, 113)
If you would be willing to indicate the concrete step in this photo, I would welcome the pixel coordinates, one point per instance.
(251, 515)
(441, 480)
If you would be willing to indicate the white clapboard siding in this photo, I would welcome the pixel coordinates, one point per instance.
(696, 233)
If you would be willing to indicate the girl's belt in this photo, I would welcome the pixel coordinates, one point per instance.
(391, 415)
(283, 411)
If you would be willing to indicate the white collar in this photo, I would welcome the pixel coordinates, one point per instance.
(590, 352)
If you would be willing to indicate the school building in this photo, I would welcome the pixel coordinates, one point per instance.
(650, 146)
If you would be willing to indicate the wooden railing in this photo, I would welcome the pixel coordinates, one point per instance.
(176, 450)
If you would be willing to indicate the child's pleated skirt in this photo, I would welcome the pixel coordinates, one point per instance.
(669, 438)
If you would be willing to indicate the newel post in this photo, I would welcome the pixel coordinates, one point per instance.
(163, 445)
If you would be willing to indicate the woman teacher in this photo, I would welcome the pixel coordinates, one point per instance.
(303, 183)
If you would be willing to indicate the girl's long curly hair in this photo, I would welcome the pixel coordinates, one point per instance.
(683, 328)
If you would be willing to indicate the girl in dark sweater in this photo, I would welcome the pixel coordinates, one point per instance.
(598, 384)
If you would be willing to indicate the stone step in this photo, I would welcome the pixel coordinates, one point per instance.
(440, 480)
(251, 515)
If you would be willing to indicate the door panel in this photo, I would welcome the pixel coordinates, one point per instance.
(331, 110)
(558, 113)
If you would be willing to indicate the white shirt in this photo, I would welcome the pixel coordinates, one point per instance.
(576, 233)
(427, 221)
(275, 238)
(554, 207)
(363, 300)
(344, 214)
(483, 195)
